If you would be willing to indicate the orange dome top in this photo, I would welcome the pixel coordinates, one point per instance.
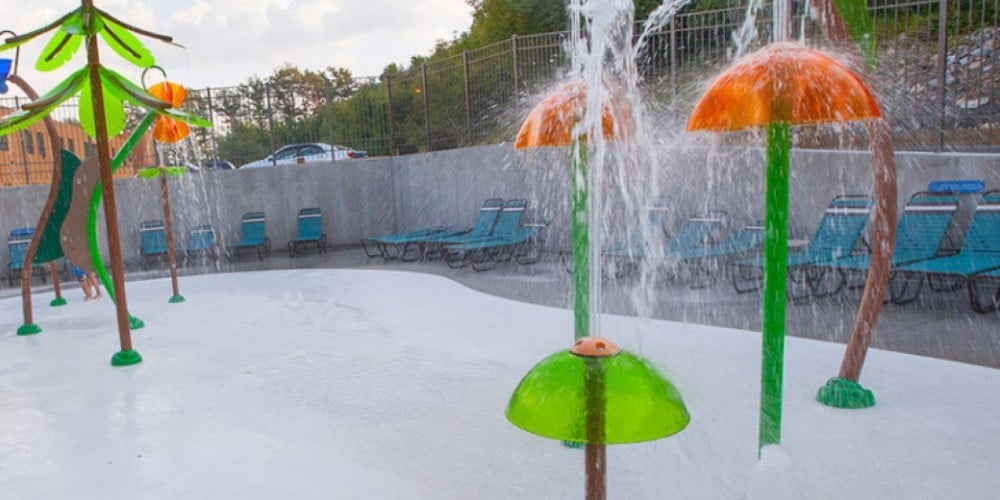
(783, 82)
(551, 121)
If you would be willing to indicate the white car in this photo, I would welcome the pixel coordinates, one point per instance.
(302, 153)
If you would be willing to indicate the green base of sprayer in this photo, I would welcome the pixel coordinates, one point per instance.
(842, 393)
(29, 329)
(57, 302)
(126, 358)
(176, 299)
(135, 323)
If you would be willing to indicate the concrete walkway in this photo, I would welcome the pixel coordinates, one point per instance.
(939, 325)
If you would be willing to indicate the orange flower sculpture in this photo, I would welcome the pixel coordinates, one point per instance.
(168, 130)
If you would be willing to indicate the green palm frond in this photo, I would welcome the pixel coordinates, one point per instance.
(17, 41)
(184, 116)
(128, 91)
(39, 108)
(175, 171)
(148, 173)
(60, 49)
(134, 29)
(114, 113)
(126, 45)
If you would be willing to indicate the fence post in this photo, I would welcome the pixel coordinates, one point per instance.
(673, 61)
(211, 118)
(468, 97)
(517, 75)
(942, 68)
(270, 121)
(427, 109)
(328, 88)
(388, 110)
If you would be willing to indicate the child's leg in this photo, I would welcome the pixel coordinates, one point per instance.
(88, 291)
(95, 284)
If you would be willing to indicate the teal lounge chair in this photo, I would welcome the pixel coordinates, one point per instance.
(201, 243)
(640, 241)
(695, 233)
(310, 231)
(838, 235)
(980, 252)
(988, 281)
(409, 246)
(18, 241)
(432, 247)
(703, 263)
(152, 241)
(253, 236)
(920, 234)
(508, 240)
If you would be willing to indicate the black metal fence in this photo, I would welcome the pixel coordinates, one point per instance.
(936, 77)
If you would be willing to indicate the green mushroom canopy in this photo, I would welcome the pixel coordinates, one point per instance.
(639, 403)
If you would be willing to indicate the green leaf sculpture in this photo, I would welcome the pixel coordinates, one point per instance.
(70, 32)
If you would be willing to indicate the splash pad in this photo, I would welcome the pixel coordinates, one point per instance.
(372, 400)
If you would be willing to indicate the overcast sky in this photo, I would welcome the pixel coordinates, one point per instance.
(228, 41)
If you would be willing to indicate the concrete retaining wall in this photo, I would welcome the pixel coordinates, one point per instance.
(383, 195)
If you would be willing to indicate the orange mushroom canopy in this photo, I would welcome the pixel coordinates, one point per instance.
(167, 129)
(551, 122)
(783, 82)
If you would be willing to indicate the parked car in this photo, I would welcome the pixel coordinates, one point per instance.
(301, 153)
(209, 165)
(216, 164)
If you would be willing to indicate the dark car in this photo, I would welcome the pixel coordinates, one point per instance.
(216, 164)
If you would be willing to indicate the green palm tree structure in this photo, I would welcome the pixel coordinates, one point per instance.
(102, 93)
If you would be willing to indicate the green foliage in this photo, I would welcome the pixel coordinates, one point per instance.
(859, 25)
(495, 20)
(244, 141)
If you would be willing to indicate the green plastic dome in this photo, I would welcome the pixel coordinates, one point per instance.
(640, 404)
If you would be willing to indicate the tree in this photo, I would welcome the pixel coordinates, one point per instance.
(495, 20)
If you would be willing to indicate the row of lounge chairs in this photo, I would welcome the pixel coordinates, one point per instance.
(253, 238)
(837, 255)
(924, 254)
(694, 246)
(499, 234)
(201, 241)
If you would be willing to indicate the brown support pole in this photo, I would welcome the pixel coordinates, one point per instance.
(595, 458)
(883, 239)
(107, 186)
(168, 226)
(884, 236)
(594, 451)
(29, 327)
(56, 287)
